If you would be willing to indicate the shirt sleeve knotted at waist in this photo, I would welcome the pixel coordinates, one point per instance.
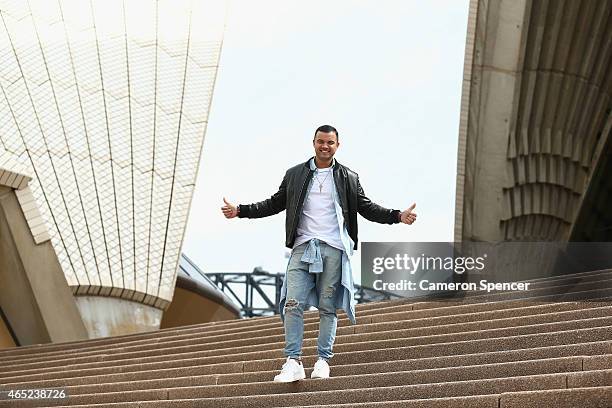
(312, 256)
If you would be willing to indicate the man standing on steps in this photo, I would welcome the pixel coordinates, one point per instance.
(322, 199)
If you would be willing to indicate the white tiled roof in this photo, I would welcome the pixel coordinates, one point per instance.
(107, 102)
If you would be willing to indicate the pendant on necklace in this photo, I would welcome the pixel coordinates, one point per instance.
(320, 187)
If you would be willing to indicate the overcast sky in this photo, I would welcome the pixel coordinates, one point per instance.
(387, 74)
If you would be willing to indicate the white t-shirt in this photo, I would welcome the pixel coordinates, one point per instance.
(318, 219)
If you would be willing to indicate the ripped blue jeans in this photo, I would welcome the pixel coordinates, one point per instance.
(299, 284)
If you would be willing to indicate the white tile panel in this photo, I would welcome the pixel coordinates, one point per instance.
(108, 18)
(77, 15)
(159, 220)
(204, 53)
(9, 137)
(97, 131)
(47, 15)
(173, 24)
(198, 92)
(9, 68)
(23, 36)
(137, 12)
(171, 70)
(190, 146)
(107, 201)
(48, 115)
(72, 118)
(142, 68)
(166, 133)
(13, 8)
(57, 55)
(209, 19)
(93, 214)
(125, 214)
(142, 224)
(73, 196)
(114, 68)
(119, 130)
(143, 137)
(85, 57)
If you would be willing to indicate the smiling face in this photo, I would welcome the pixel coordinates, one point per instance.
(325, 146)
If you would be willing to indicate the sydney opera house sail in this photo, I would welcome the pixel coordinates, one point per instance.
(106, 103)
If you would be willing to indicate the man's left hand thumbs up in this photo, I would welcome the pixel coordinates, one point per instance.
(407, 216)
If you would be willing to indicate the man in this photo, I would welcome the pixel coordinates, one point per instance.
(322, 199)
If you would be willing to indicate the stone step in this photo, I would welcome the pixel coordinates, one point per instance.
(354, 389)
(360, 341)
(366, 362)
(591, 397)
(570, 275)
(422, 326)
(428, 346)
(393, 373)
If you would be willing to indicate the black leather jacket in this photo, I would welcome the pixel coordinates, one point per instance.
(292, 192)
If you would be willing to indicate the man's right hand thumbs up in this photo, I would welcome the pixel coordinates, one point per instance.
(229, 210)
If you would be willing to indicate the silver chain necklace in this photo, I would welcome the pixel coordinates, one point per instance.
(321, 183)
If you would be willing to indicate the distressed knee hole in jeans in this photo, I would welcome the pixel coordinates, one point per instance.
(291, 304)
(328, 292)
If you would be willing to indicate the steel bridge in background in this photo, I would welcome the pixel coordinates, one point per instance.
(258, 292)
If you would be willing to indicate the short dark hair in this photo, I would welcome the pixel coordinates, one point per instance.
(327, 129)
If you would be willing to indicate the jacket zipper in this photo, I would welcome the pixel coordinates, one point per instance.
(340, 199)
(339, 193)
(299, 204)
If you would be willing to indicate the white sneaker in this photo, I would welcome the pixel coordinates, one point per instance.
(291, 371)
(321, 369)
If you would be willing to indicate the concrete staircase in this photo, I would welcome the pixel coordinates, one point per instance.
(551, 348)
